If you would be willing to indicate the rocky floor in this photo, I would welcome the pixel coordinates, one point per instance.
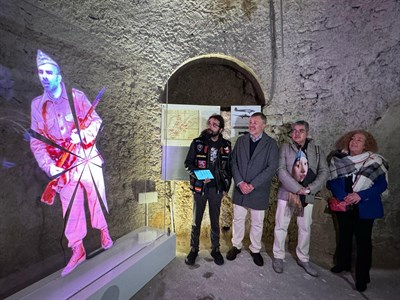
(242, 279)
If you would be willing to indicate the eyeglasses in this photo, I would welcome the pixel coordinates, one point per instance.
(301, 131)
(212, 124)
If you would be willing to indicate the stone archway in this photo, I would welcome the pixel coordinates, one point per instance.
(217, 80)
(213, 79)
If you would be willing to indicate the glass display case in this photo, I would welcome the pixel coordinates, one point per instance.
(38, 225)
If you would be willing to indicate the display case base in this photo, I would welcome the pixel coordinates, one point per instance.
(117, 273)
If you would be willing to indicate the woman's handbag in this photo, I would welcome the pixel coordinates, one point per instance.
(336, 205)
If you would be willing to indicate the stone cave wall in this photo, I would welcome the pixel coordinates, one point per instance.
(333, 63)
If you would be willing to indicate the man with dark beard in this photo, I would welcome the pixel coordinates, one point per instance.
(210, 151)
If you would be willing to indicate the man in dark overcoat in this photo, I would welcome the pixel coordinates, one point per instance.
(254, 163)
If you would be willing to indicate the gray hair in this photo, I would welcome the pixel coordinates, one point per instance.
(302, 123)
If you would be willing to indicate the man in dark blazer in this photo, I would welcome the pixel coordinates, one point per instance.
(254, 163)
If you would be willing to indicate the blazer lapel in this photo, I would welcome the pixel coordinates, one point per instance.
(246, 145)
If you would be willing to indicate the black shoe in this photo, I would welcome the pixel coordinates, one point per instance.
(257, 258)
(365, 279)
(232, 253)
(339, 269)
(361, 286)
(191, 258)
(218, 259)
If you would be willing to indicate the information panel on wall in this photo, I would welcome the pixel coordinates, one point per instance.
(240, 116)
(180, 124)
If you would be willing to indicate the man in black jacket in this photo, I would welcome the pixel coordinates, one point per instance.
(210, 151)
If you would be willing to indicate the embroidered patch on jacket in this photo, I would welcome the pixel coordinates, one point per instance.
(201, 164)
(213, 154)
(199, 147)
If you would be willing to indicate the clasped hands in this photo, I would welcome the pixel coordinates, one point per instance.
(303, 191)
(352, 198)
(246, 188)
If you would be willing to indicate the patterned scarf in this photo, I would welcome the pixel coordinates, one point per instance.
(366, 167)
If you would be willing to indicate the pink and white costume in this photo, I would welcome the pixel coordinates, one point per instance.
(54, 120)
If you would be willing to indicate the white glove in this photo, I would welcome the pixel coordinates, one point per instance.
(54, 170)
(75, 136)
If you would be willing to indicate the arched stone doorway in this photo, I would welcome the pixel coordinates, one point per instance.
(213, 79)
(216, 80)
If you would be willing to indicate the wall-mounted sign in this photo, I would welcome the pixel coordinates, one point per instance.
(180, 124)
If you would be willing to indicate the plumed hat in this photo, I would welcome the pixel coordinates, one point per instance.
(42, 58)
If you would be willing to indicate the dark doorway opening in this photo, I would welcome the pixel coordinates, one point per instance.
(213, 80)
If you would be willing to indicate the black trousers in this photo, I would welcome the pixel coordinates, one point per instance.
(350, 224)
(214, 209)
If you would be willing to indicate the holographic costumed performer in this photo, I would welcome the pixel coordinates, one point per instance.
(52, 119)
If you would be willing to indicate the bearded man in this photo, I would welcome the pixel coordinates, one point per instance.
(211, 152)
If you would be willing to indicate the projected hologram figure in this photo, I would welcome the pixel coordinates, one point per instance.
(63, 141)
